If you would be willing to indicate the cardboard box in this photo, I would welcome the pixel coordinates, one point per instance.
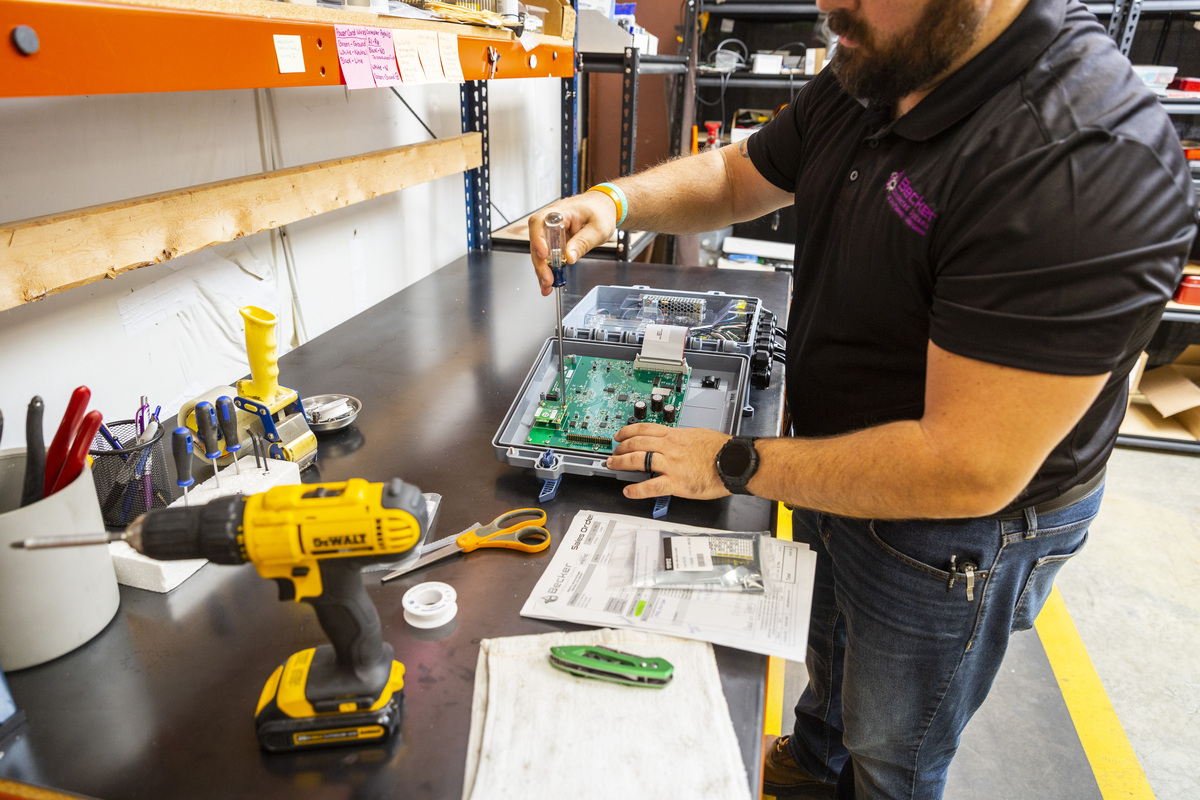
(1165, 402)
(814, 60)
(560, 17)
(600, 35)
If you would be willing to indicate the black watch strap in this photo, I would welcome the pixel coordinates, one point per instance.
(737, 462)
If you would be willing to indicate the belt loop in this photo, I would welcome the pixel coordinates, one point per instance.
(1031, 522)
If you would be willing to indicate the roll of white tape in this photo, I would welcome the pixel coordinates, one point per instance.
(430, 605)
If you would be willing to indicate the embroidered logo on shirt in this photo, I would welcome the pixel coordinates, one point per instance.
(908, 204)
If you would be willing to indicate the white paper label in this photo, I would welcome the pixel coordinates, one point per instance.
(686, 554)
(289, 53)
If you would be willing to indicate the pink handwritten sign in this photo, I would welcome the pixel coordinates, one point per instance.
(354, 54)
(383, 57)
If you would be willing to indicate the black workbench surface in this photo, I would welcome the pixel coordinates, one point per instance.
(160, 703)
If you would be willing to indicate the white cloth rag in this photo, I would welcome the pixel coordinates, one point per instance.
(539, 733)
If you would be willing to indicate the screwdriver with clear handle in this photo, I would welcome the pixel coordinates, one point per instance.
(556, 240)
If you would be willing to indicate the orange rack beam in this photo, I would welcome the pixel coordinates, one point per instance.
(169, 46)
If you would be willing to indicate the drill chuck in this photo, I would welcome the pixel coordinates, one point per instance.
(208, 531)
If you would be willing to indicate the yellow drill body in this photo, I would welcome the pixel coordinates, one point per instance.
(289, 530)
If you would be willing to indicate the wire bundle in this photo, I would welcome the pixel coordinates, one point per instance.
(470, 12)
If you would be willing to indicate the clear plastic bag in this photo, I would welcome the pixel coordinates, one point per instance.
(725, 562)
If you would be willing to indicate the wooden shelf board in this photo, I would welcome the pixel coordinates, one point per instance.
(53, 253)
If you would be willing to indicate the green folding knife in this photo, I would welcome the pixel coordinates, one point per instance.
(589, 661)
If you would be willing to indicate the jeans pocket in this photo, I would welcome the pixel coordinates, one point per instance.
(927, 545)
(1038, 586)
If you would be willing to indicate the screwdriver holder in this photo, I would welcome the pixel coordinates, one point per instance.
(142, 572)
(130, 478)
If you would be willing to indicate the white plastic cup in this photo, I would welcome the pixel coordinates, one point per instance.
(51, 601)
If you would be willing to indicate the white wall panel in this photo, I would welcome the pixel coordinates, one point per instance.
(58, 154)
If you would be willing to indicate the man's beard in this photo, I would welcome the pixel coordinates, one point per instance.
(885, 71)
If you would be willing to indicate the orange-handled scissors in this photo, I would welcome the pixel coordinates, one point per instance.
(520, 529)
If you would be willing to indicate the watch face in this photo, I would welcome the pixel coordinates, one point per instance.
(735, 459)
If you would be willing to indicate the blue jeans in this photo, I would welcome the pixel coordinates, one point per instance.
(899, 657)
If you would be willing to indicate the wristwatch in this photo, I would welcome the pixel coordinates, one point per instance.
(736, 463)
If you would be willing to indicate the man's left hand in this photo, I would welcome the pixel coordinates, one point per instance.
(683, 460)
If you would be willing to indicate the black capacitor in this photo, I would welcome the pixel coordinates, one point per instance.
(668, 413)
(656, 402)
(639, 409)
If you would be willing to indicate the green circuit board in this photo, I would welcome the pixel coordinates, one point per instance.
(600, 398)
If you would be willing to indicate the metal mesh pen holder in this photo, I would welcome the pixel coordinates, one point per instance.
(130, 478)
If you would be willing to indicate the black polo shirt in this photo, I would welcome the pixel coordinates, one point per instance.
(1033, 211)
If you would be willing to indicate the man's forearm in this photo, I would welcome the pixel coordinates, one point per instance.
(698, 193)
(891, 471)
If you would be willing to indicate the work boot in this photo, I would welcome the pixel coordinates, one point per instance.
(783, 777)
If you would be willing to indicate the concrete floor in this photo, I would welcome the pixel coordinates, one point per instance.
(1134, 596)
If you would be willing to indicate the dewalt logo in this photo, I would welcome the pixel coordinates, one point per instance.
(348, 540)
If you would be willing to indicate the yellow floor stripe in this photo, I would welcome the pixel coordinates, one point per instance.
(773, 713)
(1117, 771)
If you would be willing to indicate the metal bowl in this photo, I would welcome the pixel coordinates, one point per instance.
(330, 412)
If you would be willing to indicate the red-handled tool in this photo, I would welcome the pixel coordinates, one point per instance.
(77, 454)
(56, 456)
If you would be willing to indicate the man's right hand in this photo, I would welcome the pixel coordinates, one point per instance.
(589, 218)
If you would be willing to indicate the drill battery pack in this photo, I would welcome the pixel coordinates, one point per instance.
(290, 717)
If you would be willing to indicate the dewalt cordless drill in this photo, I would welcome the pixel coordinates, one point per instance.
(313, 540)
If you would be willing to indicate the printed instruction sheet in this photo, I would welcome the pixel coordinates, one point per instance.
(584, 584)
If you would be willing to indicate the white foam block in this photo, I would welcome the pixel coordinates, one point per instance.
(136, 570)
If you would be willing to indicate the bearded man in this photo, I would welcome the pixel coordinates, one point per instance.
(991, 213)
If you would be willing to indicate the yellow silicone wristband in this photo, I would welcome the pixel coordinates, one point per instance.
(616, 195)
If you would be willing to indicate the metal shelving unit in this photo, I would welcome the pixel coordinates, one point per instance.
(1159, 443)
(758, 25)
(1131, 12)
(632, 65)
(79, 47)
(734, 8)
(1124, 26)
(1181, 106)
(751, 81)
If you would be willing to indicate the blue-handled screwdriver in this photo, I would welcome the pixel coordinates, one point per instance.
(227, 417)
(555, 240)
(206, 427)
(181, 448)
